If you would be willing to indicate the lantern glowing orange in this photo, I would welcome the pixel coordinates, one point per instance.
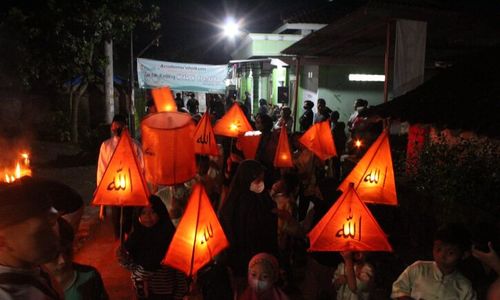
(373, 176)
(248, 143)
(199, 235)
(164, 99)
(283, 156)
(348, 226)
(168, 148)
(122, 183)
(233, 123)
(318, 138)
(204, 139)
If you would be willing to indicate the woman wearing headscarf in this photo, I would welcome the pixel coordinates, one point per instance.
(247, 218)
(144, 250)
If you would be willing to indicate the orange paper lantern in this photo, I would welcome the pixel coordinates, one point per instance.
(283, 156)
(348, 226)
(122, 183)
(204, 139)
(199, 235)
(233, 123)
(164, 99)
(373, 176)
(318, 138)
(248, 143)
(168, 148)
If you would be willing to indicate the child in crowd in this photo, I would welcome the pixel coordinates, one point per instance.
(354, 277)
(79, 282)
(438, 279)
(144, 250)
(263, 273)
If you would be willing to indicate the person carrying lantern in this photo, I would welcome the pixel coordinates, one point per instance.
(105, 153)
(144, 250)
(354, 278)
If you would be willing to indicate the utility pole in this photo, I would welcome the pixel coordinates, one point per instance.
(108, 78)
(131, 109)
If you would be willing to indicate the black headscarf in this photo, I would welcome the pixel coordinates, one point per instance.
(247, 218)
(147, 246)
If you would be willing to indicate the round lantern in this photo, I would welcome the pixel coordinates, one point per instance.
(168, 148)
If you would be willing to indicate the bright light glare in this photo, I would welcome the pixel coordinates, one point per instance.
(366, 77)
(231, 28)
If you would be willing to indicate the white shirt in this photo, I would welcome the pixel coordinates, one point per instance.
(424, 280)
(364, 276)
(106, 151)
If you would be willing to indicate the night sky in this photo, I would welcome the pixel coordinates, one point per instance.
(191, 33)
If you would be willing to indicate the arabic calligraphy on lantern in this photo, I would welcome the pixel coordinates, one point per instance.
(203, 139)
(349, 229)
(373, 176)
(119, 182)
(208, 233)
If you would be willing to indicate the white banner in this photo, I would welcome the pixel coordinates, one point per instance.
(409, 56)
(181, 77)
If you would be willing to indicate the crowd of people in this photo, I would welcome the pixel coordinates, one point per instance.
(265, 213)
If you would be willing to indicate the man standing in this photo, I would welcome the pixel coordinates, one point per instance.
(28, 238)
(179, 101)
(192, 104)
(247, 102)
(107, 149)
(307, 117)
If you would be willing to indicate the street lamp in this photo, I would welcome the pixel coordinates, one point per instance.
(155, 41)
(231, 28)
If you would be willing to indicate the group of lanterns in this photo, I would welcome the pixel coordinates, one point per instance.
(169, 158)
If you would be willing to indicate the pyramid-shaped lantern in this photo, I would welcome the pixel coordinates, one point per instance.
(123, 183)
(204, 139)
(199, 236)
(283, 156)
(248, 143)
(164, 99)
(373, 175)
(233, 123)
(318, 138)
(348, 226)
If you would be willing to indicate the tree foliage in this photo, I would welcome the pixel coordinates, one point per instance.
(58, 40)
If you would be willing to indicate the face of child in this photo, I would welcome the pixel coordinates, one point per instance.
(446, 256)
(148, 217)
(260, 277)
(63, 262)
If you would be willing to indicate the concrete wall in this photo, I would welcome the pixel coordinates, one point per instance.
(340, 93)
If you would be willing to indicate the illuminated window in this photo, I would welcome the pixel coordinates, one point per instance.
(366, 77)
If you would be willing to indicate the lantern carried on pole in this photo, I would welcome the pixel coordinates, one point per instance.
(123, 183)
(248, 143)
(373, 175)
(233, 123)
(204, 139)
(283, 156)
(348, 226)
(199, 235)
(168, 148)
(318, 138)
(164, 99)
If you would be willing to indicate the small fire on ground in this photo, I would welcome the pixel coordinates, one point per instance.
(19, 168)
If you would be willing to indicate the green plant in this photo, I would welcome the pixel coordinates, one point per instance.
(461, 179)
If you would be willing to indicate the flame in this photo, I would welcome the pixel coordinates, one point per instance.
(168, 108)
(357, 143)
(284, 156)
(21, 169)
